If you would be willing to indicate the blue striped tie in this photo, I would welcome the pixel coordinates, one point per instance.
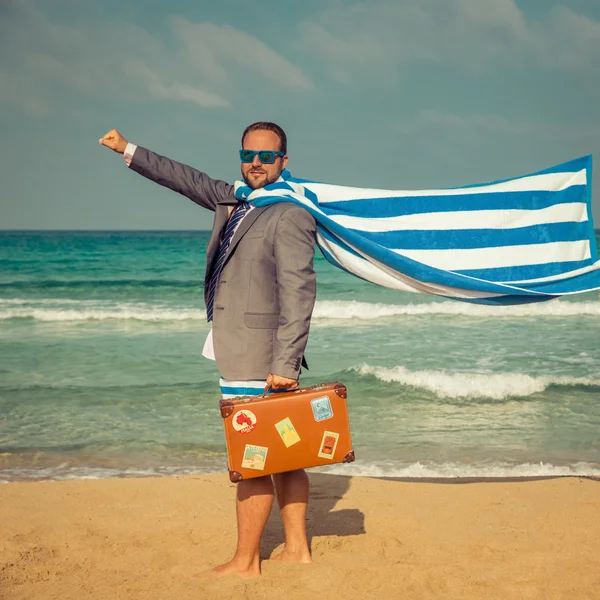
(236, 216)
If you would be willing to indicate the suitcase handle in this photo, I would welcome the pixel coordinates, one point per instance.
(270, 390)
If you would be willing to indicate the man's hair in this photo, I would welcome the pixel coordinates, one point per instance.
(268, 126)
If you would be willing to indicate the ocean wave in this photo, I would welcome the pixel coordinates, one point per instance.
(65, 472)
(389, 469)
(94, 283)
(327, 312)
(125, 313)
(452, 470)
(496, 386)
(43, 301)
(353, 309)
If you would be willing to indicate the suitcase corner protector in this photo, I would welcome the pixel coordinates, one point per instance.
(235, 476)
(341, 391)
(226, 408)
(349, 457)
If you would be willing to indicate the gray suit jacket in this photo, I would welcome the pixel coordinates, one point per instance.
(266, 292)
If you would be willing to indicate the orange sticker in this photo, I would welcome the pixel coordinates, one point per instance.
(328, 444)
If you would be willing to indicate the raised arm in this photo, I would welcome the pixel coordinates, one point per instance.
(197, 186)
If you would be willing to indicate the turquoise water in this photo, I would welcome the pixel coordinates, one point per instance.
(101, 372)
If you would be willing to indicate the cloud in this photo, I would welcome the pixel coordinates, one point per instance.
(210, 48)
(385, 37)
(42, 57)
(157, 86)
(566, 40)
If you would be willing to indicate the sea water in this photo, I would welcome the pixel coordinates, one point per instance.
(101, 372)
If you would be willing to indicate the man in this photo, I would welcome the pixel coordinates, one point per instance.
(259, 291)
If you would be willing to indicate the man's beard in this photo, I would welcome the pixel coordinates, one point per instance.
(261, 183)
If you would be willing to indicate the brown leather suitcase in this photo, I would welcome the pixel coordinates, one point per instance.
(284, 431)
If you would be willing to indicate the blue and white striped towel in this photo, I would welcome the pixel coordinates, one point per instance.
(246, 387)
(509, 242)
(233, 389)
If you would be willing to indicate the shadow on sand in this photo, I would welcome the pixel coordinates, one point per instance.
(326, 490)
(322, 519)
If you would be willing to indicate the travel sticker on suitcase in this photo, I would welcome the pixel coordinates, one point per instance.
(255, 457)
(244, 421)
(287, 432)
(328, 444)
(321, 408)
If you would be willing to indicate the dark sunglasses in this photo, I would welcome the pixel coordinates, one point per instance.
(266, 157)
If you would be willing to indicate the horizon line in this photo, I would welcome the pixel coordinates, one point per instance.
(99, 230)
(119, 230)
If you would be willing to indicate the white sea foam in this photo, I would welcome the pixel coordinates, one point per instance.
(417, 470)
(65, 472)
(97, 312)
(452, 470)
(448, 384)
(327, 312)
(44, 301)
(332, 309)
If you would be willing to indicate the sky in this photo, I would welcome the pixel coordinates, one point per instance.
(382, 93)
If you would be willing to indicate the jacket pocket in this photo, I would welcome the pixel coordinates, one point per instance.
(250, 235)
(261, 320)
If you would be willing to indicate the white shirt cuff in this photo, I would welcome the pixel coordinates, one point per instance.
(129, 152)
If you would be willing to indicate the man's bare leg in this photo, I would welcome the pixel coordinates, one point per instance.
(292, 496)
(253, 505)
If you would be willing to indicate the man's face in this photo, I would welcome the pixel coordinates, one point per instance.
(255, 174)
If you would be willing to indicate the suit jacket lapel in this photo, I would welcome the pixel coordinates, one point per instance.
(212, 248)
(243, 227)
(223, 210)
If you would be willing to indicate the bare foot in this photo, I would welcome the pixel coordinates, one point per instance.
(293, 556)
(230, 568)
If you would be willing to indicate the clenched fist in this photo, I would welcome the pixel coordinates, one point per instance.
(277, 382)
(114, 140)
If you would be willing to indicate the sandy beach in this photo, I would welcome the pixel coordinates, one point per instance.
(143, 538)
